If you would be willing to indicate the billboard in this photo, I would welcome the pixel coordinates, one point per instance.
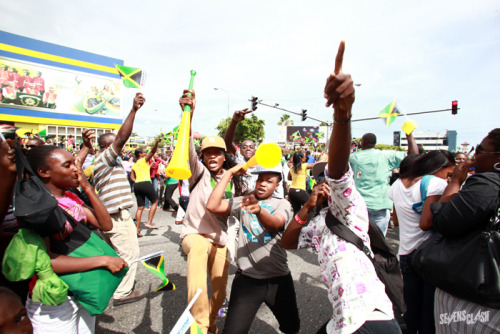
(30, 85)
(47, 83)
(303, 134)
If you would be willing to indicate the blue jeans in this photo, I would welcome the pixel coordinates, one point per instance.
(381, 218)
(419, 299)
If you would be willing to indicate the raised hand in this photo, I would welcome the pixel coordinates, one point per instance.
(238, 170)
(186, 99)
(250, 204)
(318, 196)
(339, 88)
(139, 101)
(8, 157)
(88, 136)
(239, 115)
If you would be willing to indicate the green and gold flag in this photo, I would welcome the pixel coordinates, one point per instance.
(156, 266)
(295, 135)
(132, 77)
(390, 113)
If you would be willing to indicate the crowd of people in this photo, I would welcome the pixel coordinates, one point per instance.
(251, 215)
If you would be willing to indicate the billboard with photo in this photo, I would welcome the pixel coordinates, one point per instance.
(305, 134)
(30, 85)
(47, 83)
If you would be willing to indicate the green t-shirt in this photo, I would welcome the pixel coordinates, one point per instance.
(372, 169)
(171, 181)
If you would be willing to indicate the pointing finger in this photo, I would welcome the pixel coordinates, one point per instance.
(340, 58)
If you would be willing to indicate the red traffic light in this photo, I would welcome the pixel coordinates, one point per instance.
(454, 107)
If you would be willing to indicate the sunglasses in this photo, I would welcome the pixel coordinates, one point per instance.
(480, 150)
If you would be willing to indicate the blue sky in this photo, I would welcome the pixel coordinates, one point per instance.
(422, 54)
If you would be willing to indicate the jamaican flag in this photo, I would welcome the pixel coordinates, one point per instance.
(174, 133)
(320, 135)
(155, 264)
(390, 112)
(132, 77)
(296, 135)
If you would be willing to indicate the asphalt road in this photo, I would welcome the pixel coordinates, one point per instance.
(158, 312)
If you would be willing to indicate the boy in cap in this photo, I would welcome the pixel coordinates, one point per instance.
(263, 275)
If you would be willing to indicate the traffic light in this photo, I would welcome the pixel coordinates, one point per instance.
(254, 103)
(454, 107)
(304, 115)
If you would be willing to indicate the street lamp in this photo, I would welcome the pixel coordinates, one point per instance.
(223, 90)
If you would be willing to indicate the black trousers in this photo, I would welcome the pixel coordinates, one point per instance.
(247, 294)
(168, 200)
(298, 198)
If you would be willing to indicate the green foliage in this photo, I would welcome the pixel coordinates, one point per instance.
(323, 124)
(389, 147)
(285, 120)
(250, 128)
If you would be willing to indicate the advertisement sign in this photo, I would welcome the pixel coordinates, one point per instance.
(39, 87)
(305, 134)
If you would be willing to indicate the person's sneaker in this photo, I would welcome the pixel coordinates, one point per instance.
(133, 297)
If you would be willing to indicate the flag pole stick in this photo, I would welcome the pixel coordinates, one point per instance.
(198, 293)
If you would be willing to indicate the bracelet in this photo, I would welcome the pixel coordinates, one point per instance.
(343, 122)
(298, 220)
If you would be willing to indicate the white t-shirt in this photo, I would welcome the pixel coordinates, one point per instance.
(410, 234)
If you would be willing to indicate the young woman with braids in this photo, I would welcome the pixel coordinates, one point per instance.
(204, 235)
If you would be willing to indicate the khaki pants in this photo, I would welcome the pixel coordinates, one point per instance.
(123, 239)
(205, 258)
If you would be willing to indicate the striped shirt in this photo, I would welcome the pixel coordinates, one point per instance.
(111, 181)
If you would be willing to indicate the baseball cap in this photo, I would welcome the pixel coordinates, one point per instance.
(319, 168)
(213, 141)
(261, 170)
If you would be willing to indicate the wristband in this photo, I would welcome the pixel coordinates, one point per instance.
(343, 122)
(298, 220)
(260, 209)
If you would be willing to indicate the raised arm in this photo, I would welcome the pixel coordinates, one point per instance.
(216, 203)
(339, 92)
(126, 129)
(88, 135)
(290, 238)
(270, 222)
(8, 172)
(238, 116)
(412, 144)
(98, 215)
(188, 98)
(153, 150)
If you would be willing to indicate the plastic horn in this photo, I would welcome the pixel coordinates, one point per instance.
(267, 156)
(178, 168)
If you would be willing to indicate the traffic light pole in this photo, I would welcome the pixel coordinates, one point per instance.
(354, 120)
(411, 113)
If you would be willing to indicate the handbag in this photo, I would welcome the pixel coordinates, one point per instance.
(34, 205)
(385, 262)
(466, 267)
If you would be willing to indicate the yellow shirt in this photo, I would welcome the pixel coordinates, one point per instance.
(299, 179)
(89, 172)
(142, 171)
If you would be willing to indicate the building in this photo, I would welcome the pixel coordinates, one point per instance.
(56, 91)
(430, 141)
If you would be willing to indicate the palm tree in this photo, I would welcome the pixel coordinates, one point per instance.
(285, 120)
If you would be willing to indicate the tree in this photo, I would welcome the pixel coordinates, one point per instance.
(285, 120)
(323, 124)
(251, 128)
